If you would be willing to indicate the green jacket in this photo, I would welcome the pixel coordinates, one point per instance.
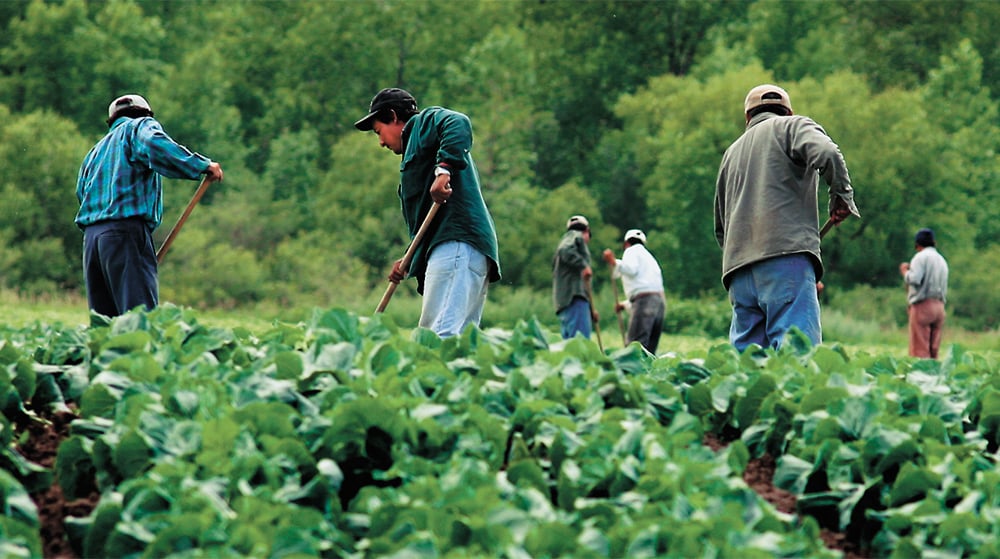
(572, 256)
(438, 135)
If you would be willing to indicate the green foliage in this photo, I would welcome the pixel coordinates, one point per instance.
(38, 166)
(343, 434)
(617, 109)
(204, 274)
(705, 316)
(72, 59)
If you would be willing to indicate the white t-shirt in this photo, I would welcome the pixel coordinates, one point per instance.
(639, 271)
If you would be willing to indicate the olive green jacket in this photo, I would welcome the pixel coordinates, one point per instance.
(766, 201)
(572, 256)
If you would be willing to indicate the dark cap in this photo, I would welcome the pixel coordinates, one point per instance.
(394, 98)
(925, 237)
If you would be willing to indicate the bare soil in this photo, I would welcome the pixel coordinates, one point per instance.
(40, 447)
(759, 475)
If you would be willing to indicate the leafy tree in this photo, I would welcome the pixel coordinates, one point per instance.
(676, 142)
(589, 53)
(313, 270)
(357, 207)
(900, 41)
(62, 59)
(799, 39)
(193, 101)
(205, 274)
(967, 115)
(9, 10)
(40, 154)
(530, 222)
(490, 83)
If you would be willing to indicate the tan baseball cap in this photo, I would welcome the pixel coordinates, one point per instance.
(767, 94)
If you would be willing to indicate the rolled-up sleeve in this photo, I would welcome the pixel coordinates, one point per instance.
(165, 156)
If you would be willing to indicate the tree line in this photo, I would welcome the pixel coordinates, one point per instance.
(619, 110)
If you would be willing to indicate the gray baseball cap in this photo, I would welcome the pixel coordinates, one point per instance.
(127, 101)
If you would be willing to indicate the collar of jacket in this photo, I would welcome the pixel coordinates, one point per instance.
(761, 117)
(407, 130)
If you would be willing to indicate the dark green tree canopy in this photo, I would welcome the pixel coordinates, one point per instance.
(614, 108)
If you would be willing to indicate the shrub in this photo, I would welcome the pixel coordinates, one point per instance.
(707, 316)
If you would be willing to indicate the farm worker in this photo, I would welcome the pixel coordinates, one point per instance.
(926, 277)
(121, 204)
(642, 281)
(571, 275)
(459, 255)
(766, 219)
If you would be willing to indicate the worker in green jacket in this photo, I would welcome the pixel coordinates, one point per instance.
(458, 257)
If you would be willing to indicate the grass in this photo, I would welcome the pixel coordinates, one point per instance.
(855, 335)
(71, 311)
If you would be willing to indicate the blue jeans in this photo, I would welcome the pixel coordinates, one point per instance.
(119, 266)
(455, 285)
(575, 318)
(772, 296)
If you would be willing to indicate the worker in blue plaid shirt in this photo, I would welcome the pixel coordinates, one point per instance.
(121, 204)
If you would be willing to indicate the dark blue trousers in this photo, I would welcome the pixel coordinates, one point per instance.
(119, 265)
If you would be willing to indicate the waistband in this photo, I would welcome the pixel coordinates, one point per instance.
(645, 294)
(125, 222)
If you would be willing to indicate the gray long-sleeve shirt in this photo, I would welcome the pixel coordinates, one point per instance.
(766, 191)
(927, 277)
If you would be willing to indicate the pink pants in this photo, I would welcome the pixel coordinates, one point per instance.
(926, 323)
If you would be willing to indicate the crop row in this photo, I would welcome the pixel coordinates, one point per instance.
(343, 437)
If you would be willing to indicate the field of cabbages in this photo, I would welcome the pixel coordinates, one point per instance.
(345, 436)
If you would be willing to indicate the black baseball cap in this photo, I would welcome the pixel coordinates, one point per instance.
(394, 98)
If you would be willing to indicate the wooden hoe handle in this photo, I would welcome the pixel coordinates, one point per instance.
(180, 222)
(404, 264)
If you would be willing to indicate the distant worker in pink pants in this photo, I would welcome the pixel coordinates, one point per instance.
(926, 277)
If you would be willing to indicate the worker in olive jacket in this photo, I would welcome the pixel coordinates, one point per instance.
(767, 222)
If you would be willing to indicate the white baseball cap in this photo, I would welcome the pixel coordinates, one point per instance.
(577, 220)
(126, 101)
(635, 234)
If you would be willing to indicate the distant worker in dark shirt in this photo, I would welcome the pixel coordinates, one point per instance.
(571, 275)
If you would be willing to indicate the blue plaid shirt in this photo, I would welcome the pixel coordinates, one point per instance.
(120, 177)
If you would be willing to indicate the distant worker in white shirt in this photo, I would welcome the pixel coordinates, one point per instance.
(642, 280)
